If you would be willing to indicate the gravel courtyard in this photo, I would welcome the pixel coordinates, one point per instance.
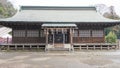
(79, 59)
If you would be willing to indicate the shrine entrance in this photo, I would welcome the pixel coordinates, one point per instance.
(59, 35)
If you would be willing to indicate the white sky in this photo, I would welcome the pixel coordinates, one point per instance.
(115, 3)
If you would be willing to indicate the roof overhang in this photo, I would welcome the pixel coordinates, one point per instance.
(59, 25)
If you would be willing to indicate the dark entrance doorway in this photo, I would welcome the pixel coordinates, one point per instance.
(59, 37)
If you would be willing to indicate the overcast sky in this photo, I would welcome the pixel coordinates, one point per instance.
(115, 3)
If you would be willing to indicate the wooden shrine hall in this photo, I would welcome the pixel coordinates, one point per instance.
(58, 28)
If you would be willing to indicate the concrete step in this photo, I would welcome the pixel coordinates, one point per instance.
(58, 45)
(58, 49)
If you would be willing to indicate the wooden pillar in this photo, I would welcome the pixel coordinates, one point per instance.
(94, 47)
(101, 47)
(108, 47)
(78, 36)
(23, 47)
(46, 36)
(87, 47)
(26, 29)
(80, 47)
(103, 35)
(30, 47)
(63, 36)
(115, 47)
(38, 46)
(118, 43)
(12, 35)
(71, 36)
(15, 47)
(91, 36)
(53, 36)
(7, 40)
(8, 47)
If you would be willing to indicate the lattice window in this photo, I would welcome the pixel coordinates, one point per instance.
(42, 33)
(97, 33)
(75, 33)
(19, 33)
(33, 33)
(84, 33)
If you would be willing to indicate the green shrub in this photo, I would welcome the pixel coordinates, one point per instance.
(111, 37)
(1, 10)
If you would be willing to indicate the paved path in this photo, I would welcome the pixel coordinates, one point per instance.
(83, 59)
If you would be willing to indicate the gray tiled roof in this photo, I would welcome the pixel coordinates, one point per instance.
(58, 14)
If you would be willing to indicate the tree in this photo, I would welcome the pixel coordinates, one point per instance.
(111, 37)
(6, 9)
(116, 30)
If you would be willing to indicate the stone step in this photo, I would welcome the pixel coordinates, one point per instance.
(58, 49)
(58, 45)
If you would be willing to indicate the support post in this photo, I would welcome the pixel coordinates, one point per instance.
(15, 47)
(23, 47)
(101, 47)
(71, 38)
(80, 47)
(30, 47)
(8, 47)
(47, 36)
(46, 39)
(63, 36)
(53, 37)
(71, 35)
(108, 47)
(118, 44)
(94, 47)
(38, 47)
(87, 47)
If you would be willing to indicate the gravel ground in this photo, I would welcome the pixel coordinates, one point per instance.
(79, 59)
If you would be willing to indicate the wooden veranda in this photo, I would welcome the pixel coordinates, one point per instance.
(81, 46)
